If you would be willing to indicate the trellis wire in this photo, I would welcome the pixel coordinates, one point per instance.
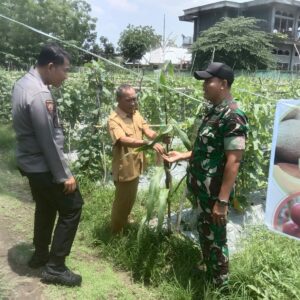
(113, 63)
(93, 54)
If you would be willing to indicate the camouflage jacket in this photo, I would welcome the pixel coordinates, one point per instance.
(223, 128)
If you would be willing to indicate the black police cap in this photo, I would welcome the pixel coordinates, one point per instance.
(216, 69)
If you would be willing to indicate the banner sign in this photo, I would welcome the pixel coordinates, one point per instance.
(283, 196)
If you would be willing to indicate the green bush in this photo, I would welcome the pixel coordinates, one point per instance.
(87, 98)
(7, 80)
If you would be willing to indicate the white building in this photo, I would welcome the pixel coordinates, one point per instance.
(180, 57)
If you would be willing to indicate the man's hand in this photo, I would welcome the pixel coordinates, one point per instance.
(219, 214)
(69, 185)
(159, 149)
(173, 156)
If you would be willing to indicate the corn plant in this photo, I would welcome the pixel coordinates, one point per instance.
(161, 196)
(156, 200)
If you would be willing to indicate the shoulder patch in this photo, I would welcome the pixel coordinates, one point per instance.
(50, 106)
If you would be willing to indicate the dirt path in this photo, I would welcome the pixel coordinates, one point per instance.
(20, 281)
(17, 281)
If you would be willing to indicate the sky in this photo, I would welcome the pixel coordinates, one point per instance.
(114, 16)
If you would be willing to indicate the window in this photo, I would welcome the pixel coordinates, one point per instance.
(284, 23)
(285, 52)
(284, 14)
(296, 67)
(282, 66)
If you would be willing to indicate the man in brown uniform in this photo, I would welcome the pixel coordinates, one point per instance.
(127, 128)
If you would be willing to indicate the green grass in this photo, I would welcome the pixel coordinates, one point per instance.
(266, 268)
(3, 288)
(100, 279)
(7, 148)
(11, 183)
(158, 260)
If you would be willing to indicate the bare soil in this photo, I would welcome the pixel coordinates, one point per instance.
(20, 281)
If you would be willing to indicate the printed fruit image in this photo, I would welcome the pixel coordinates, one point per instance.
(291, 228)
(288, 142)
(287, 176)
(287, 215)
(295, 213)
(286, 170)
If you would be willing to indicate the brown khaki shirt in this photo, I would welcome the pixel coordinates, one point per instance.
(126, 167)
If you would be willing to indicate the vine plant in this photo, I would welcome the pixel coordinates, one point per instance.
(87, 98)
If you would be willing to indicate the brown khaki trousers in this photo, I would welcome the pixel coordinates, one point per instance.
(124, 199)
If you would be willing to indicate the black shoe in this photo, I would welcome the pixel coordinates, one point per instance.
(38, 260)
(61, 276)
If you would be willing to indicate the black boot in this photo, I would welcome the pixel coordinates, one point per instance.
(39, 258)
(56, 272)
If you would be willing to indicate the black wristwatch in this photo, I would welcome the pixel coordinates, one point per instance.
(223, 202)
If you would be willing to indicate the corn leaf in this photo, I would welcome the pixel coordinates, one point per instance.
(154, 190)
(162, 78)
(141, 228)
(181, 134)
(158, 139)
(163, 196)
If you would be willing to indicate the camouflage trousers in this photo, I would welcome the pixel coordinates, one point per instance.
(213, 241)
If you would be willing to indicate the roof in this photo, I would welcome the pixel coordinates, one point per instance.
(158, 56)
(191, 13)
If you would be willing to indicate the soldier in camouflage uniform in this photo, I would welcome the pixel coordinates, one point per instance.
(213, 166)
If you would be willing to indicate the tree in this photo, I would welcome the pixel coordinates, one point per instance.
(135, 41)
(68, 20)
(107, 48)
(104, 49)
(238, 42)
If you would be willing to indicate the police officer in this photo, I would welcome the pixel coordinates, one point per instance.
(40, 157)
(213, 166)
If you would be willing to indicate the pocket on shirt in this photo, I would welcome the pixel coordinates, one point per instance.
(129, 132)
(207, 138)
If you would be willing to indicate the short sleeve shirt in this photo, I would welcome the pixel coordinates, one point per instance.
(126, 163)
(223, 128)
